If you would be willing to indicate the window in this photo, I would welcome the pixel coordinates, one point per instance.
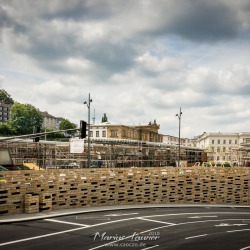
(236, 141)
(97, 133)
(224, 149)
(230, 141)
(218, 149)
(218, 141)
(103, 133)
(91, 133)
(218, 158)
(212, 141)
(113, 133)
(224, 141)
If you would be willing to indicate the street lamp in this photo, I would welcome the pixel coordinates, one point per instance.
(88, 105)
(179, 151)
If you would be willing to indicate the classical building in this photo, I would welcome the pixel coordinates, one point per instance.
(174, 140)
(49, 122)
(226, 147)
(118, 131)
(4, 111)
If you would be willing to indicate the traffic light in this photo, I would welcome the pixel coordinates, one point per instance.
(37, 130)
(83, 126)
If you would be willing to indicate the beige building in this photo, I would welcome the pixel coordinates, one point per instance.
(118, 131)
(173, 140)
(49, 122)
(226, 147)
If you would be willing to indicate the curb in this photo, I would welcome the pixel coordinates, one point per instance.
(38, 216)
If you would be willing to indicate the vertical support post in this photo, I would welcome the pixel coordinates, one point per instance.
(179, 146)
(88, 105)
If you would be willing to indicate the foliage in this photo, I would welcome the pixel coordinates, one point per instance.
(5, 96)
(66, 124)
(104, 118)
(54, 136)
(5, 130)
(24, 117)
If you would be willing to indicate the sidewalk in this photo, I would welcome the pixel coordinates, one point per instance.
(56, 213)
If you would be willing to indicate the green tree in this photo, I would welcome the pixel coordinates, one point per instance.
(5, 130)
(5, 96)
(104, 118)
(66, 124)
(24, 117)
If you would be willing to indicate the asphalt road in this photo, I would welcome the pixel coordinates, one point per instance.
(193, 228)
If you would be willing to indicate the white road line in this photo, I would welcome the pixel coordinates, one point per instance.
(156, 221)
(196, 236)
(199, 217)
(66, 222)
(115, 215)
(215, 213)
(40, 236)
(240, 230)
(127, 219)
(245, 248)
(150, 247)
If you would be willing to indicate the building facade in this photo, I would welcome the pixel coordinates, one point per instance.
(174, 140)
(4, 111)
(49, 122)
(106, 130)
(226, 147)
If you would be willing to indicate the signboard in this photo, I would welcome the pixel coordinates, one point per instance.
(76, 146)
(5, 158)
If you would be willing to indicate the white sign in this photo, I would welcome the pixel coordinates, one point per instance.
(76, 146)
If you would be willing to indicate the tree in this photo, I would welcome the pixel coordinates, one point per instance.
(66, 124)
(24, 117)
(5, 96)
(5, 130)
(104, 118)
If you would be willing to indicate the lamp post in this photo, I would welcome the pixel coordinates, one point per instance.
(88, 105)
(179, 149)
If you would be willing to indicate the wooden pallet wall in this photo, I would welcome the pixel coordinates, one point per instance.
(38, 191)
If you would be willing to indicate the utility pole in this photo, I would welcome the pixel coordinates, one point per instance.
(88, 105)
(179, 148)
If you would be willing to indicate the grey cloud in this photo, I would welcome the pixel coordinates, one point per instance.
(206, 20)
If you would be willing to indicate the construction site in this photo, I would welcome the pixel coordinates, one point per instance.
(47, 176)
(26, 154)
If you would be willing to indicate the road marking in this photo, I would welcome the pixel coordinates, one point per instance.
(167, 223)
(40, 236)
(240, 230)
(196, 236)
(245, 248)
(150, 247)
(229, 225)
(199, 217)
(66, 222)
(127, 219)
(115, 215)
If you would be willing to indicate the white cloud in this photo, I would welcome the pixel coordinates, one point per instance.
(139, 60)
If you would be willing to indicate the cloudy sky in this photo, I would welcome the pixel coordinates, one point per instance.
(140, 60)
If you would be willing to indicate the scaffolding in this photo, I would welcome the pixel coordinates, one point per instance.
(103, 153)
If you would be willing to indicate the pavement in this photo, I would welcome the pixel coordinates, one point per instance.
(11, 218)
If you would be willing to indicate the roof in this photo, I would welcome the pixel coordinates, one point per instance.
(46, 114)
